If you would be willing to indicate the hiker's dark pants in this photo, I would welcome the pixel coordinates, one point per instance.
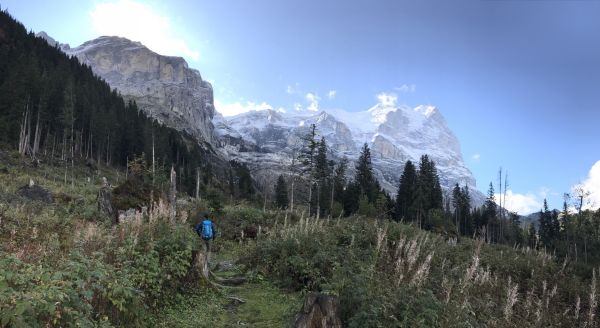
(207, 245)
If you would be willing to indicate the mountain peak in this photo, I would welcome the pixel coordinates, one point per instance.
(163, 86)
(51, 41)
(427, 110)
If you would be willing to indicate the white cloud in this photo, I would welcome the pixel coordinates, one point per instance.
(231, 109)
(313, 102)
(297, 107)
(138, 21)
(523, 204)
(591, 187)
(387, 99)
(406, 88)
(476, 157)
(293, 89)
(331, 94)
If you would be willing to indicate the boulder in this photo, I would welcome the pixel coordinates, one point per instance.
(35, 192)
(250, 232)
(319, 311)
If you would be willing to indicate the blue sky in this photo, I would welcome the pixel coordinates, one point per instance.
(518, 81)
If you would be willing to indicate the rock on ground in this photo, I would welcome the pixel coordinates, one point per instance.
(35, 192)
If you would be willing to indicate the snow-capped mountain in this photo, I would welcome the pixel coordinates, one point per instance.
(267, 140)
(168, 90)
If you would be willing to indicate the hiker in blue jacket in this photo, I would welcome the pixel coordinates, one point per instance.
(207, 231)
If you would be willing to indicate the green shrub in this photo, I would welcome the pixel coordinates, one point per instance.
(78, 292)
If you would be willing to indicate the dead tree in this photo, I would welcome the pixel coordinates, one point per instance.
(36, 139)
(198, 183)
(173, 194)
(25, 131)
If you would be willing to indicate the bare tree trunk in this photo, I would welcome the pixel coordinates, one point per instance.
(66, 165)
(80, 147)
(24, 134)
(173, 194)
(36, 138)
(99, 154)
(153, 166)
(72, 158)
(332, 192)
(197, 183)
(265, 201)
(88, 146)
(585, 248)
(457, 211)
(292, 195)
(309, 195)
(108, 150)
(500, 197)
(53, 145)
(46, 142)
(318, 200)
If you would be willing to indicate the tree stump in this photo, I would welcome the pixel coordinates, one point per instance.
(200, 271)
(104, 200)
(319, 311)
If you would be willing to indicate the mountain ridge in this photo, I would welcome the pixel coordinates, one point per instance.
(168, 90)
(394, 134)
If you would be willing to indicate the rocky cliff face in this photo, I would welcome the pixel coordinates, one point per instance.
(267, 141)
(164, 87)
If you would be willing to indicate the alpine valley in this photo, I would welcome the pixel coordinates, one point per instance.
(132, 194)
(167, 89)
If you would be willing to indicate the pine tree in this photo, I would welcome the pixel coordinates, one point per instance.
(321, 163)
(364, 174)
(466, 210)
(339, 180)
(351, 198)
(281, 193)
(428, 192)
(457, 204)
(322, 174)
(406, 191)
(546, 229)
(531, 236)
(516, 231)
(461, 201)
(489, 212)
(430, 182)
(307, 157)
(549, 226)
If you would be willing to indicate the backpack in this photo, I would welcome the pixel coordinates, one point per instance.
(207, 230)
